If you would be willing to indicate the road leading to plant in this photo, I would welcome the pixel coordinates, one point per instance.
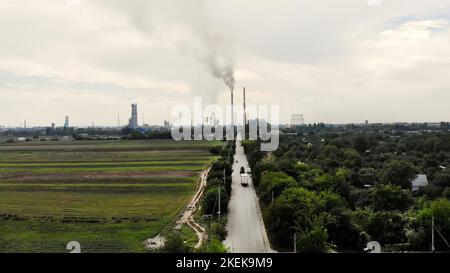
(246, 231)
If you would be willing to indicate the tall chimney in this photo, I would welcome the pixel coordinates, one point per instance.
(245, 111)
(232, 108)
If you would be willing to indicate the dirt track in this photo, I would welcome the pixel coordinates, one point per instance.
(187, 217)
(188, 214)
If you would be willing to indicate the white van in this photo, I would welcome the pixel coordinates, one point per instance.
(244, 179)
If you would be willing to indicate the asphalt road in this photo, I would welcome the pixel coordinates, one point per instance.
(246, 232)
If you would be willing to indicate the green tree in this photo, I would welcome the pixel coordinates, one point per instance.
(390, 197)
(313, 240)
(275, 183)
(387, 227)
(352, 158)
(174, 244)
(342, 231)
(419, 236)
(214, 246)
(399, 172)
(361, 143)
(210, 205)
(291, 212)
(343, 185)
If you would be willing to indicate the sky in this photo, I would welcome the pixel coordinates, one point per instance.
(333, 61)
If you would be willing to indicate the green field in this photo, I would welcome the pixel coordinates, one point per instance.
(107, 195)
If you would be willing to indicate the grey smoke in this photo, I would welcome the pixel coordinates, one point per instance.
(208, 45)
(219, 62)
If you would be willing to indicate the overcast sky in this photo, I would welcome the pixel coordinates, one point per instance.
(332, 60)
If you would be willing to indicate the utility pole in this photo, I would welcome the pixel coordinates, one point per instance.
(208, 217)
(219, 202)
(272, 197)
(432, 233)
(295, 242)
(209, 228)
(224, 179)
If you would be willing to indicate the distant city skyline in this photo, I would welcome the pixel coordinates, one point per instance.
(334, 62)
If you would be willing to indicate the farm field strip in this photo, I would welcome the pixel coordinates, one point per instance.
(191, 167)
(108, 146)
(93, 187)
(91, 204)
(104, 164)
(124, 180)
(117, 156)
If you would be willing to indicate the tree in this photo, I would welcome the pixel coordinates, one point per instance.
(286, 166)
(439, 187)
(419, 232)
(275, 183)
(390, 197)
(331, 200)
(210, 204)
(352, 159)
(387, 227)
(361, 143)
(442, 179)
(174, 244)
(399, 172)
(215, 150)
(342, 231)
(343, 185)
(214, 246)
(313, 240)
(292, 211)
(324, 182)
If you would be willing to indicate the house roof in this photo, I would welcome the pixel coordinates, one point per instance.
(421, 180)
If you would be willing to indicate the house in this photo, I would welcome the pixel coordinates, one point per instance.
(366, 177)
(421, 180)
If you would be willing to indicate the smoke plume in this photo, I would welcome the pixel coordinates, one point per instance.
(197, 33)
(221, 66)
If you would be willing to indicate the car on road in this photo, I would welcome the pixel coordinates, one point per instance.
(242, 170)
(244, 179)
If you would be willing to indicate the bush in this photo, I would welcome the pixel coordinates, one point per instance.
(215, 150)
(313, 241)
(215, 246)
(174, 244)
(219, 230)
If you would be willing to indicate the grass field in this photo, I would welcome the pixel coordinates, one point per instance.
(107, 195)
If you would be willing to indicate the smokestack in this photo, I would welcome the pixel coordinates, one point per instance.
(245, 111)
(232, 108)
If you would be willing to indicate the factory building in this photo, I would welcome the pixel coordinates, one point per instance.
(297, 120)
(133, 121)
(66, 122)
